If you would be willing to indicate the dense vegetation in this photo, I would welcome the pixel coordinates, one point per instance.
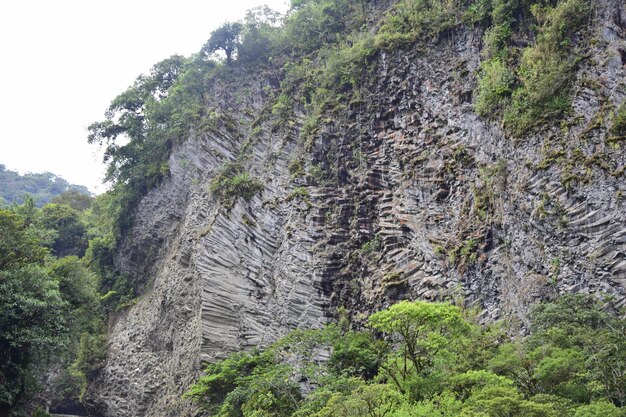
(51, 313)
(432, 359)
(530, 85)
(58, 277)
(42, 187)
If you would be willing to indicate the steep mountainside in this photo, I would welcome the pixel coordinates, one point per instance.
(402, 192)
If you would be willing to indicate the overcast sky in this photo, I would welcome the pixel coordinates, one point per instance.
(63, 61)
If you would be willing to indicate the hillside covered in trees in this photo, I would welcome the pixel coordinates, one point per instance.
(42, 187)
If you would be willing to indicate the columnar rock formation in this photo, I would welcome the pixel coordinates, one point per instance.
(409, 194)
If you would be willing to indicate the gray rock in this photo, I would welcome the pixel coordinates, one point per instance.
(404, 174)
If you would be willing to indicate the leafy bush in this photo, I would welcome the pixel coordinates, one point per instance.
(246, 384)
(298, 193)
(232, 182)
(495, 86)
(283, 106)
(355, 354)
(49, 307)
(315, 23)
(32, 322)
(418, 20)
(537, 89)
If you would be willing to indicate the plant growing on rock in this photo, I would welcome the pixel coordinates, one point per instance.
(232, 182)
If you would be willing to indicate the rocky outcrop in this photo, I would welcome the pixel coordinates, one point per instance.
(405, 194)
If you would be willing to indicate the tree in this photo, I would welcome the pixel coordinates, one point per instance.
(19, 246)
(583, 324)
(260, 35)
(247, 384)
(226, 38)
(355, 354)
(70, 231)
(599, 409)
(131, 116)
(422, 330)
(43, 186)
(31, 319)
(375, 400)
(75, 199)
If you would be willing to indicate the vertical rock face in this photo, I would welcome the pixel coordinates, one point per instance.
(406, 194)
(216, 279)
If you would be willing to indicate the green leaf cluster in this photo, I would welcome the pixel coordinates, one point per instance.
(232, 182)
(50, 311)
(618, 129)
(529, 85)
(431, 359)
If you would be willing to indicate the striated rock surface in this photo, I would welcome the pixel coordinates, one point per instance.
(406, 194)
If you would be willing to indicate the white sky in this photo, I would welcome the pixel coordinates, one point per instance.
(63, 61)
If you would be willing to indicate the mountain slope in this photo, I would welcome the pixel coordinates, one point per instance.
(42, 187)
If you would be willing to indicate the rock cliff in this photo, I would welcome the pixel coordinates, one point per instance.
(406, 193)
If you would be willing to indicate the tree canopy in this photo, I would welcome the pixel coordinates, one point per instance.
(49, 301)
(226, 38)
(429, 359)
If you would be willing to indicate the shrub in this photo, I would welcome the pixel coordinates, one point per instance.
(246, 384)
(422, 351)
(495, 86)
(298, 193)
(599, 409)
(232, 183)
(283, 106)
(417, 20)
(539, 87)
(618, 129)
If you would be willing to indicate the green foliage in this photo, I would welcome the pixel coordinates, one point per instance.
(375, 400)
(283, 106)
(118, 291)
(355, 354)
(32, 323)
(315, 23)
(40, 413)
(599, 409)
(46, 303)
(259, 35)
(579, 325)
(422, 330)
(232, 182)
(495, 86)
(371, 246)
(226, 38)
(418, 20)
(533, 88)
(77, 284)
(247, 384)
(20, 244)
(346, 64)
(75, 199)
(43, 187)
(618, 129)
(298, 193)
(90, 356)
(432, 361)
(69, 230)
(142, 125)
